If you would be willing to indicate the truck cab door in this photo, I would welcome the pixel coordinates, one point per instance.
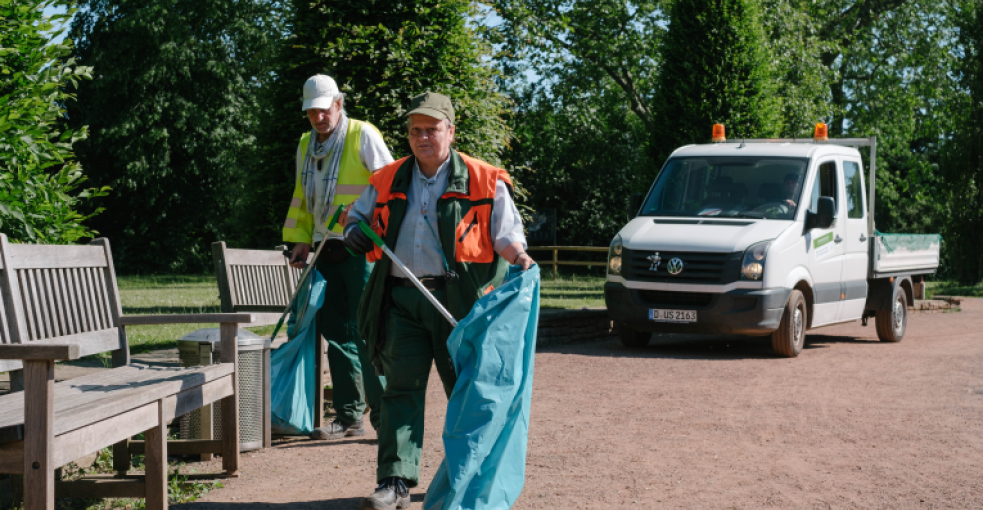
(855, 261)
(825, 247)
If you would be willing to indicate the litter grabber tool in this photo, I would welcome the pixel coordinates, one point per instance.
(306, 273)
(416, 282)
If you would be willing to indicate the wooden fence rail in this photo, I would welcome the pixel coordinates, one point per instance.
(556, 258)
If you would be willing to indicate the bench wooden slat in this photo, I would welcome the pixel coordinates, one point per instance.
(66, 306)
(112, 397)
(38, 256)
(187, 318)
(92, 342)
(54, 301)
(35, 350)
(103, 298)
(68, 393)
(239, 257)
(85, 304)
(194, 398)
(92, 387)
(35, 330)
(83, 441)
(72, 392)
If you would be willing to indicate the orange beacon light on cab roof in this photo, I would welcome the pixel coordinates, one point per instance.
(821, 134)
(718, 134)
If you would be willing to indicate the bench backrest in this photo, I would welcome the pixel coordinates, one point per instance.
(257, 281)
(61, 294)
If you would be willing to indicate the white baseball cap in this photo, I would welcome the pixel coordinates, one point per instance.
(320, 91)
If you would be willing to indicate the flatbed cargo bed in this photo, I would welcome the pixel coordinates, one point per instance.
(893, 254)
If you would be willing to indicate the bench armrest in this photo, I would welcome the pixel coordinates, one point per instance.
(186, 318)
(45, 351)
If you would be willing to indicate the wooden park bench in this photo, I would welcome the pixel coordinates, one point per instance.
(261, 282)
(61, 303)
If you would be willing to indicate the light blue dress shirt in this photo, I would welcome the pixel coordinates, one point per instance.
(417, 245)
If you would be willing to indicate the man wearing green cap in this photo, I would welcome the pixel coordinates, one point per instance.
(334, 161)
(451, 220)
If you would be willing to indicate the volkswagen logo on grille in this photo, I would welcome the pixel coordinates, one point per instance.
(675, 266)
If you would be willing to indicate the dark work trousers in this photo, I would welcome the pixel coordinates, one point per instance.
(416, 338)
(352, 376)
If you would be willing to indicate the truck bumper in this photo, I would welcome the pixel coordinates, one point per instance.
(737, 312)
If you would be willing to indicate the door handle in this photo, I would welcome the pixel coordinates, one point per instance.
(838, 239)
(863, 238)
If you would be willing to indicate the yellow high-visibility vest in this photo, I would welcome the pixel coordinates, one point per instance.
(353, 179)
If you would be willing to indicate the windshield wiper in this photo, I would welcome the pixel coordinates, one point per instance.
(755, 216)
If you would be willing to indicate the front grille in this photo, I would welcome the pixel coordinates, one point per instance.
(667, 298)
(698, 267)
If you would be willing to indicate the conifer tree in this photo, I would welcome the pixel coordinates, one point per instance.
(715, 69)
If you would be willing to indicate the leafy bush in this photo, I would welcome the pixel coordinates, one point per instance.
(173, 114)
(40, 180)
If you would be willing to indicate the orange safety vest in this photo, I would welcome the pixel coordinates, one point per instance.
(472, 232)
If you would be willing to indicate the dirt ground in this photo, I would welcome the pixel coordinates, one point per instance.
(708, 423)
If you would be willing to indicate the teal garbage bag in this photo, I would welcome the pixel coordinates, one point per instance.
(292, 376)
(487, 425)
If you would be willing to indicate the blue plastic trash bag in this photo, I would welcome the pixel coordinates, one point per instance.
(292, 375)
(487, 425)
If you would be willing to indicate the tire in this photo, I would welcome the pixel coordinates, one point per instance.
(891, 324)
(632, 338)
(788, 339)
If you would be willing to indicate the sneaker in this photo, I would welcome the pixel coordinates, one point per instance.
(339, 429)
(389, 495)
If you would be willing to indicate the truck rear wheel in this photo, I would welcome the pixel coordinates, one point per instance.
(891, 324)
(632, 338)
(790, 336)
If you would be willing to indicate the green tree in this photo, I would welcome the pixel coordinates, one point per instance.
(579, 152)
(715, 69)
(962, 167)
(39, 178)
(173, 114)
(381, 53)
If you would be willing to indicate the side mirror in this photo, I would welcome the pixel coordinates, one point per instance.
(635, 204)
(825, 210)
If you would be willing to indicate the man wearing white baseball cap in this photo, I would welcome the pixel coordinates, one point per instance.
(334, 162)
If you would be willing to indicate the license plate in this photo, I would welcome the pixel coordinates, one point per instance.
(672, 315)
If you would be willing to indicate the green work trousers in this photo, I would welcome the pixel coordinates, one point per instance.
(416, 337)
(352, 375)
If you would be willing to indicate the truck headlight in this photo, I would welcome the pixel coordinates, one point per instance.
(753, 266)
(614, 256)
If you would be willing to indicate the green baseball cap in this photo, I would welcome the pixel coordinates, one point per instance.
(433, 105)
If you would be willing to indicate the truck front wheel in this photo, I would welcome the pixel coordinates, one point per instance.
(891, 324)
(632, 338)
(790, 336)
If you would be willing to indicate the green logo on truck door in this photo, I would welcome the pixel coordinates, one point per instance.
(819, 241)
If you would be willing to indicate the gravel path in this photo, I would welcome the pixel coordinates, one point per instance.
(708, 423)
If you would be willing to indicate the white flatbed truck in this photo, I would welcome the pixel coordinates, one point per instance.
(763, 237)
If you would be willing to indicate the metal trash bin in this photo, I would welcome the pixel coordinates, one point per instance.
(203, 347)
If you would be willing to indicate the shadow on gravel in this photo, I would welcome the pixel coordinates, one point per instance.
(330, 504)
(683, 346)
(311, 443)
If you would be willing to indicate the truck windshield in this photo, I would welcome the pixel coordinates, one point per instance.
(736, 187)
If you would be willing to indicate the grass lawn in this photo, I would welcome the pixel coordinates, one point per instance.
(952, 289)
(199, 294)
(165, 295)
